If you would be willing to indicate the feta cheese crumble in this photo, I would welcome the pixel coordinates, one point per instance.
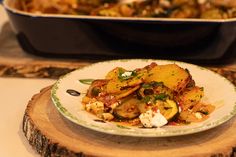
(126, 74)
(180, 110)
(198, 115)
(152, 119)
(96, 107)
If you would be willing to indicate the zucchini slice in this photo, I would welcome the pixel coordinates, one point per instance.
(169, 109)
(128, 109)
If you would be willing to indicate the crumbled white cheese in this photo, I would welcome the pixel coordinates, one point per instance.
(145, 118)
(158, 120)
(152, 119)
(114, 105)
(107, 116)
(96, 107)
(126, 74)
(198, 115)
(180, 110)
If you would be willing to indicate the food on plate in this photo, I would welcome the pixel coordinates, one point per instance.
(152, 96)
(206, 9)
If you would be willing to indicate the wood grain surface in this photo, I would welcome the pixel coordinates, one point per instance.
(50, 134)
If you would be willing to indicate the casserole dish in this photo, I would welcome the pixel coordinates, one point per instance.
(81, 35)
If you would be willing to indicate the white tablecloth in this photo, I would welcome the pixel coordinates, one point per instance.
(14, 95)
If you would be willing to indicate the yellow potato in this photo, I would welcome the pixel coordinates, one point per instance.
(173, 76)
(113, 74)
(190, 97)
(117, 85)
(126, 92)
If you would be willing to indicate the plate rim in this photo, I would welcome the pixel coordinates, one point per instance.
(123, 131)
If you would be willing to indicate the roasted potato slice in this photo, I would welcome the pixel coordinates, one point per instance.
(126, 92)
(113, 74)
(203, 108)
(121, 79)
(173, 76)
(189, 116)
(224, 3)
(190, 97)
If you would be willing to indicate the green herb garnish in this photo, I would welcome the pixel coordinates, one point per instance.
(161, 96)
(152, 84)
(204, 112)
(146, 99)
(146, 85)
(122, 127)
(122, 76)
(86, 81)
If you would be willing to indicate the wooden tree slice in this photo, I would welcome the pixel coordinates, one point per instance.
(50, 134)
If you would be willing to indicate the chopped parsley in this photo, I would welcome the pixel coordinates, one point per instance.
(86, 81)
(146, 99)
(204, 112)
(161, 96)
(122, 127)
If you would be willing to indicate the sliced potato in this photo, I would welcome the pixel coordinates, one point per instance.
(224, 3)
(192, 116)
(116, 85)
(198, 113)
(190, 97)
(203, 108)
(173, 76)
(113, 74)
(126, 92)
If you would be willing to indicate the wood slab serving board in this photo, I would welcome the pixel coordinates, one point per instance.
(50, 134)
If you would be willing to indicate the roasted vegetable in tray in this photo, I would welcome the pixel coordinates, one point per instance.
(206, 9)
(152, 96)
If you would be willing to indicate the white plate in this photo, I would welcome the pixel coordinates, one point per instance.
(218, 91)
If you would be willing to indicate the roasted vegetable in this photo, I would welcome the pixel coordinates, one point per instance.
(172, 76)
(122, 79)
(152, 96)
(210, 9)
(155, 89)
(127, 109)
(96, 87)
(190, 97)
(169, 109)
(198, 113)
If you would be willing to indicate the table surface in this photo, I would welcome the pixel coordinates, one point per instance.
(23, 75)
